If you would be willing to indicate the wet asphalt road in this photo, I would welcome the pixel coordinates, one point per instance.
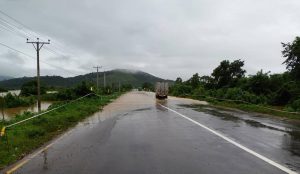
(135, 134)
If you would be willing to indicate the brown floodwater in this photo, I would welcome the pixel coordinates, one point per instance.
(11, 112)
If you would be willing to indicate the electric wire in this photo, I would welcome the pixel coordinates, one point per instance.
(21, 52)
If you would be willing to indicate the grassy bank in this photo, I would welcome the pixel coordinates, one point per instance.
(249, 107)
(24, 138)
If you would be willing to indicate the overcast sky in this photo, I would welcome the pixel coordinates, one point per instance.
(167, 38)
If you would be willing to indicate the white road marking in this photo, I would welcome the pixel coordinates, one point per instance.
(279, 166)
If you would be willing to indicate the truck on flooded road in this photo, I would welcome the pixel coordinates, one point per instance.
(161, 90)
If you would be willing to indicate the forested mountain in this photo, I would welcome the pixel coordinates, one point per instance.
(135, 78)
(5, 78)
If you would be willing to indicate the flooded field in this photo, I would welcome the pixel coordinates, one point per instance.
(11, 112)
(16, 92)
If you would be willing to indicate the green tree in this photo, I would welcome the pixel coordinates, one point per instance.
(82, 89)
(181, 90)
(227, 74)
(30, 88)
(178, 80)
(291, 51)
(207, 82)
(259, 83)
(194, 81)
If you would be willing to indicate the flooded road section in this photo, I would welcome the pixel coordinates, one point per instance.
(136, 134)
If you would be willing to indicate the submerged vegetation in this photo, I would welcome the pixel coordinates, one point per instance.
(228, 86)
(12, 100)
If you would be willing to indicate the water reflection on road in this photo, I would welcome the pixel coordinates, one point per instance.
(279, 139)
(135, 134)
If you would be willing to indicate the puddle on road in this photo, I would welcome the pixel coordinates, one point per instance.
(142, 109)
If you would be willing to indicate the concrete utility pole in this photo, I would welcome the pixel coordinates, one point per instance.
(38, 46)
(97, 67)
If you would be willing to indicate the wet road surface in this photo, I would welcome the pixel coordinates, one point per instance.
(135, 134)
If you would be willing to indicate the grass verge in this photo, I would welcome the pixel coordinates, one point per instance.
(249, 108)
(30, 135)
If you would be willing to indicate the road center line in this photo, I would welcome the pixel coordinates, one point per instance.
(279, 166)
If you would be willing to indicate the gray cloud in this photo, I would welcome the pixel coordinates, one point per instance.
(166, 38)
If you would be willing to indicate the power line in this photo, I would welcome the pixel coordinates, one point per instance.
(16, 50)
(35, 58)
(20, 23)
(29, 29)
(14, 29)
(26, 36)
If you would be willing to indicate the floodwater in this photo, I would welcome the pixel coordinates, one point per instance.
(135, 134)
(16, 92)
(9, 113)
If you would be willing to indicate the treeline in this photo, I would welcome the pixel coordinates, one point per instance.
(3, 90)
(228, 81)
(83, 89)
(29, 91)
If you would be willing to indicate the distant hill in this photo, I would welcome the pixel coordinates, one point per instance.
(136, 78)
(5, 78)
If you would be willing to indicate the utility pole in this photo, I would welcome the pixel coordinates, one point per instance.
(38, 46)
(97, 67)
(119, 86)
(104, 79)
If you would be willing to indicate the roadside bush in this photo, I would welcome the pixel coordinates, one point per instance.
(296, 105)
(234, 94)
(81, 90)
(200, 91)
(72, 93)
(35, 132)
(65, 94)
(237, 94)
(181, 90)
